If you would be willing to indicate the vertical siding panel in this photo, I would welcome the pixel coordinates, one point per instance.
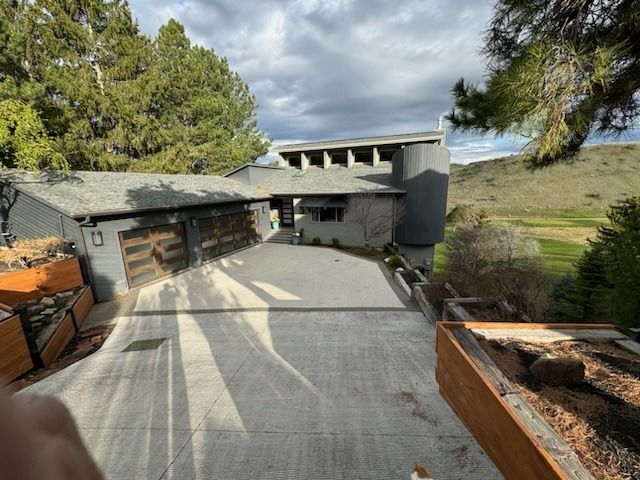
(30, 218)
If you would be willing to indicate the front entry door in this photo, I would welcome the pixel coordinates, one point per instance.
(287, 212)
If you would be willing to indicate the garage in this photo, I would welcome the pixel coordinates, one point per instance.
(152, 253)
(225, 233)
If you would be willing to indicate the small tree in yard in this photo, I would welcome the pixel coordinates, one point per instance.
(376, 219)
(489, 259)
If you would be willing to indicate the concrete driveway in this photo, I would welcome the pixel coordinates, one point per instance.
(301, 393)
(274, 276)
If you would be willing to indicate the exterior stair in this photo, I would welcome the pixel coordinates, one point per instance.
(282, 235)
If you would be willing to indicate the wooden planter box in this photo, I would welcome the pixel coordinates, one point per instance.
(516, 437)
(69, 326)
(19, 352)
(15, 358)
(35, 283)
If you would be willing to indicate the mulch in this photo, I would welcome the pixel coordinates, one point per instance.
(600, 418)
(83, 344)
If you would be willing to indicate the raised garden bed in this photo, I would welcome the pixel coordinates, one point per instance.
(598, 419)
(47, 306)
(15, 358)
(492, 398)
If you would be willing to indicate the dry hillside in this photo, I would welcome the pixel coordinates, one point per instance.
(585, 187)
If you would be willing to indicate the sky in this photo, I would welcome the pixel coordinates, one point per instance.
(330, 69)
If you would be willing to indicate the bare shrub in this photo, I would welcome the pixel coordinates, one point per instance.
(499, 260)
(376, 219)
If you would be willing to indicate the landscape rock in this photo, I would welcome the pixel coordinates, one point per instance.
(48, 301)
(36, 309)
(22, 305)
(558, 371)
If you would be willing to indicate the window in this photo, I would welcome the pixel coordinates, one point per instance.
(330, 215)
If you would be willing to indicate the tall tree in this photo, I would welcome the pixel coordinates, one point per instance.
(90, 56)
(559, 70)
(206, 112)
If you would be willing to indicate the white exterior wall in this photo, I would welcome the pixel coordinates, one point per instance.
(349, 233)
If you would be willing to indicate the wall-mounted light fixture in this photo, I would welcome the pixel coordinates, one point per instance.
(96, 238)
(264, 210)
(194, 222)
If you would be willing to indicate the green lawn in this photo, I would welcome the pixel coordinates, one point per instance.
(558, 256)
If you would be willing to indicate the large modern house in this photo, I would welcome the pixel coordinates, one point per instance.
(391, 189)
(130, 229)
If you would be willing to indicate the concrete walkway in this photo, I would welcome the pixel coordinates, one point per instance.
(265, 394)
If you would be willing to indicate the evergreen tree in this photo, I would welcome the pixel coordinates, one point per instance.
(106, 97)
(90, 56)
(206, 111)
(558, 71)
(608, 279)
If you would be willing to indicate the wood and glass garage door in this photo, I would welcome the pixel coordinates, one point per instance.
(151, 253)
(225, 233)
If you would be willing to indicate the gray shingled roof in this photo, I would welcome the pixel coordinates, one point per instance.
(332, 181)
(80, 194)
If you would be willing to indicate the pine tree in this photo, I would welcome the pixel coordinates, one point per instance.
(90, 56)
(206, 111)
(608, 279)
(558, 71)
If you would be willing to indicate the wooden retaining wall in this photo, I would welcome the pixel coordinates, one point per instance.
(518, 440)
(19, 351)
(58, 341)
(82, 306)
(15, 358)
(35, 283)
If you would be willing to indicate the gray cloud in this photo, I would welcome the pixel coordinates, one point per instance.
(323, 69)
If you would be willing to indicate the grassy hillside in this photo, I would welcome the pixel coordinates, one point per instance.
(586, 187)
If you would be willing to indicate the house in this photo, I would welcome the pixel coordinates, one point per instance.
(132, 228)
(379, 190)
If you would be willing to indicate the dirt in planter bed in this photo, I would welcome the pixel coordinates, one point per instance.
(599, 419)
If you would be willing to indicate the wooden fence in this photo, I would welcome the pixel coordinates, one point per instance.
(35, 283)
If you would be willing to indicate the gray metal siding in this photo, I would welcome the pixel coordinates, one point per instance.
(30, 218)
(257, 174)
(251, 175)
(107, 265)
(423, 171)
(241, 176)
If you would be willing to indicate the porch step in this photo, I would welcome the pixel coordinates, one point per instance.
(282, 235)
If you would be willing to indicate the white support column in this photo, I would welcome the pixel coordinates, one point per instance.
(282, 161)
(350, 158)
(375, 156)
(327, 159)
(304, 161)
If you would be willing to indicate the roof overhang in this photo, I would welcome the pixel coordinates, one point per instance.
(324, 202)
(430, 137)
(129, 211)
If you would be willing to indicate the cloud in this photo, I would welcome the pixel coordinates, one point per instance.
(326, 69)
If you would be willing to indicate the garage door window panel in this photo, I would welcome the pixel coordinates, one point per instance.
(154, 252)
